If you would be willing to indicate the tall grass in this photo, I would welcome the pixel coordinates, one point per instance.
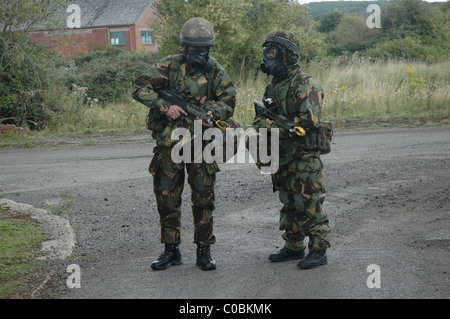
(360, 90)
(82, 114)
(250, 86)
(385, 90)
(355, 90)
(20, 238)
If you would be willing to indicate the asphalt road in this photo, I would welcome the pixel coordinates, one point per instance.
(387, 199)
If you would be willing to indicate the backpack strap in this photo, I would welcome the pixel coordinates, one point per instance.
(174, 68)
(210, 70)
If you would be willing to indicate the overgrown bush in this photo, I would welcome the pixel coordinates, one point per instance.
(107, 74)
(408, 49)
(24, 80)
(351, 35)
(410, 29)
(38, 88)
(240, 27)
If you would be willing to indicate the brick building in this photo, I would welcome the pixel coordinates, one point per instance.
(124, 24)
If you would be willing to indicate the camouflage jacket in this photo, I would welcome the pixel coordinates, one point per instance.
(175, 70)
(301, 102)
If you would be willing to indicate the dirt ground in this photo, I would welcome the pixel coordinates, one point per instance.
(387, 199)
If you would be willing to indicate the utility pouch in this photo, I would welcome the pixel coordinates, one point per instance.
(319, 139)
(155, 121)
(310, 140)
(324, 136)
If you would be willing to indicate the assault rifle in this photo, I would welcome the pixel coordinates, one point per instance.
(178, 95)
(268, 110)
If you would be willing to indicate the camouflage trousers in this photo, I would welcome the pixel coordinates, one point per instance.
(168, 184)
(301, 190)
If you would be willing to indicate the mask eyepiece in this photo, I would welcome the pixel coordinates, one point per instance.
(271, 53)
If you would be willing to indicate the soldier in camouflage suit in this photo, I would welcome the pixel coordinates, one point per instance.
(210, 87)
(299, 179)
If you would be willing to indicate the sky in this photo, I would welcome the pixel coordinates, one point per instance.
(308, 1)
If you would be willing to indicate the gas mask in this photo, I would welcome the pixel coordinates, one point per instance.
(273, 62)
(197, 57)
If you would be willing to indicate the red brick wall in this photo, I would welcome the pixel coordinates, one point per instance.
(74, 41)
(144, 24)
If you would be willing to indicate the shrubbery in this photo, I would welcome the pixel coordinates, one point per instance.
(410, 29)
(107, 74)
(25, 78)
(38, 89)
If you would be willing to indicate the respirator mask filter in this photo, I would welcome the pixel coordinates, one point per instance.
(197, 57)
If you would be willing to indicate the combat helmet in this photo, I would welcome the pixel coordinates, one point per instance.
(197, 32)
(285, 38)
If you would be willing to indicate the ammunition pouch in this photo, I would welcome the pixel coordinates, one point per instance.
(324, 136)
(319, 139)
(155, 121)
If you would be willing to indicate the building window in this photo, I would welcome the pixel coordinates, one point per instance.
(146, 37)
(119, 38)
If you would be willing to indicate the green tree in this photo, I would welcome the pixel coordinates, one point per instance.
(240, 27)
(402, 18)
(18, 17)
(411, 29)
(329, 21)
(23, 64)
(352, 34)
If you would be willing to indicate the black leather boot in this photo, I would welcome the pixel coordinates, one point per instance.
(204, 259)
(314, 259)
(170, 256)
(286, 254)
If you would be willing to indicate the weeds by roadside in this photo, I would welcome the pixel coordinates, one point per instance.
(64, 206)
(357, 91)
(368, 92)
(20, 238)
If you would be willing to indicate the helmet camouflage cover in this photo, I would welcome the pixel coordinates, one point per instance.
(197, 32)
(285, 38)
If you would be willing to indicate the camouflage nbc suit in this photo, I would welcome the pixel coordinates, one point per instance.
(299, 179)
(168, 177)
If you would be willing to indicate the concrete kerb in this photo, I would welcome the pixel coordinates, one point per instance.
(62, 237)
